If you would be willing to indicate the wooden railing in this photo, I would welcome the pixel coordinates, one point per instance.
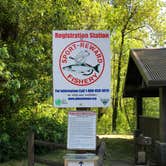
(32, 158)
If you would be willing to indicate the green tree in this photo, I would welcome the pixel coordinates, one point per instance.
(26, 65)
(130, 19)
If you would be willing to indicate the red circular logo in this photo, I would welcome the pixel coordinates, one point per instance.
(82, 63)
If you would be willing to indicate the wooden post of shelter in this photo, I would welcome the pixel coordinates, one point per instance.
(31, 157)
(138, 110)
(161, 145)
(162, 93)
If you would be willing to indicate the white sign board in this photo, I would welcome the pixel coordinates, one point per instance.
(81, 130)
(81, 68)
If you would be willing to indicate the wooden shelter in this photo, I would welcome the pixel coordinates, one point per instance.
(146, 77)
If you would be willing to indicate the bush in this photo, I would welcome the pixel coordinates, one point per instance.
(47, 123)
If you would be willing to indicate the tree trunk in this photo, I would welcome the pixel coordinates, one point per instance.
(116, 96)
(114, 115)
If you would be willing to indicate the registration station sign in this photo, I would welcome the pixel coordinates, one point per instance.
(81, 68)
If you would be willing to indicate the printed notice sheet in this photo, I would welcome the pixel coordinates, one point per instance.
(81, 130)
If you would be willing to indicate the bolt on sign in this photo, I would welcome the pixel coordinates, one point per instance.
(81, 68)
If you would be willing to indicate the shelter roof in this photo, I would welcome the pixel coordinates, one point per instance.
(146, 72)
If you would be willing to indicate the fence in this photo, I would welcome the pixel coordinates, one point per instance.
(32, 158)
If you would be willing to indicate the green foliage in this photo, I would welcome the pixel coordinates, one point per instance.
(126, 120)
(123, 126)
(28, 62)
(47, 123)
(151, 107)
(131, 22)
(104, 124)
(26, 68)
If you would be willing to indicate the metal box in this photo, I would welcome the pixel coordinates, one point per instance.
(80, 159)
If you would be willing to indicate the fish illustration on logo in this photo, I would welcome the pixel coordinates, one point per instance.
(80, 66)
(81, 57)
(83, 69)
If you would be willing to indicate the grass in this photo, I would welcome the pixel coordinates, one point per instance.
(55, 156)
(118, 147)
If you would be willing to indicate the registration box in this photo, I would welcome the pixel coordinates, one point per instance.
(80, 159)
